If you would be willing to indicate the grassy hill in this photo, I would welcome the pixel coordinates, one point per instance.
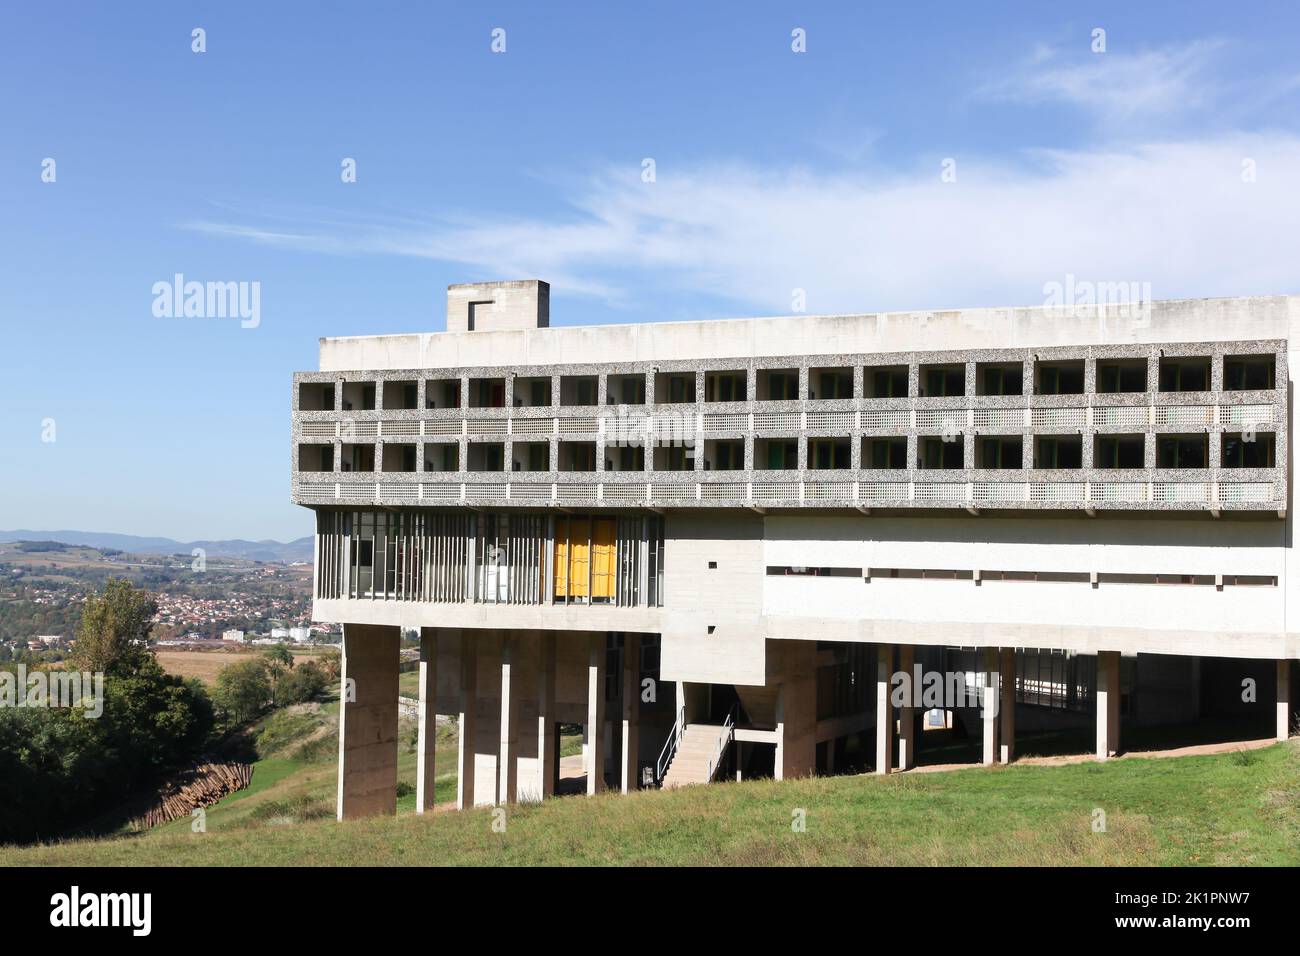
(1238, 808)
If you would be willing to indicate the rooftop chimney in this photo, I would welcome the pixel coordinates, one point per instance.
(496, 306)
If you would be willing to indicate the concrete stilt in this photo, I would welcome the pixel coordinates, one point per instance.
(884, 712)
(508, 752)
(989, 704)
(1283, 699)
(427, 721)
(1107, 704)
(631, 712)
(546, 752)
(594, 729)
(796, 709)
(467, 719)
(367, 780)
(907, 713)
(1007, 707)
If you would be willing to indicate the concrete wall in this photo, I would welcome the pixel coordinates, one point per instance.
(1257, 317)
(726, 598)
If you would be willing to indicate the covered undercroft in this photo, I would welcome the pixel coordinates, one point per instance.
(827, 707)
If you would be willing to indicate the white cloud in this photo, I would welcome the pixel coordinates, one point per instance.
(1116, 87)
(1177, 215)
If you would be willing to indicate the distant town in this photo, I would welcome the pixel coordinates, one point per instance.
(217, 601)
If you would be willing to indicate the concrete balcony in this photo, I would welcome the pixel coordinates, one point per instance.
(1144, 489)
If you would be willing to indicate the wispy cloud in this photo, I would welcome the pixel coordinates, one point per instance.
(1162, 83)
(1177, 215)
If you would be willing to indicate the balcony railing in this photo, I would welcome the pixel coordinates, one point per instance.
(794, 492)
(350, 426)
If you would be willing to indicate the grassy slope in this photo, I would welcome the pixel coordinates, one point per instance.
(1228, 809)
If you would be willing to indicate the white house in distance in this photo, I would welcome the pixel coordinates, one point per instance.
(714, 544)
(233, 635)
(300, 635)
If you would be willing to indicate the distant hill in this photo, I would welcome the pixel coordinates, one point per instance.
(299, 550)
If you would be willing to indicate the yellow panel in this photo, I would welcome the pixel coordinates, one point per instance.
(561, 558)
(579, 557)
(602, 559)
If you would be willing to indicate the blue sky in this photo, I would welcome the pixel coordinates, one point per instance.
(775, 171)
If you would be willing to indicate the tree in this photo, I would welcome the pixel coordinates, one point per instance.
(276, 660)
(305, 682)
(242, 690)
(279, 655)
(332, 662)
(114, 629)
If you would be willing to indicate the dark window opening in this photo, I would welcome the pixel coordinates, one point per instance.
(1119, 451)
(1125, 375)
(1059, 378)
(1240, 453)
(1249, 372)
(999, 451)
(1184, 374)
(886, 381)
(1058, 451)
(999, 378)
(1182, 451)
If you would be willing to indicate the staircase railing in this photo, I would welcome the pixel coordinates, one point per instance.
(670, 745)
(725, 735)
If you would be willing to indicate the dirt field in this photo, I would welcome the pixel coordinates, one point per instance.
(205, 665)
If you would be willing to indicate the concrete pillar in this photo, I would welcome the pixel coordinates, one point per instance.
(546, 751)
(884, 712)
(796, 708)
(989, 704)
(907, 713)
(508, 752)
(468, 720)
(1107, 704)
(1007, 707)
(367, 780)
(427, 729)
(631, 711)
(1283, 699)
(594, 729)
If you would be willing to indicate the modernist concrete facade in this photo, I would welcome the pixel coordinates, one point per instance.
(713, 545)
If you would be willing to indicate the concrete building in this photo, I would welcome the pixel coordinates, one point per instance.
(716, 545)
(300, 635)
(234, 635)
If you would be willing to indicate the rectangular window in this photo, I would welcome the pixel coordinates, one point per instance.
(1058, 451)
(1119, 451)
(1121, 375)
(1185, 374)
(1256, 453)
(889, 381)
(1182, 451)
(995, 451)
(1249, 372)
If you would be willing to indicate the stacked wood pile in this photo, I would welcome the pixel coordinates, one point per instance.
(200, 786)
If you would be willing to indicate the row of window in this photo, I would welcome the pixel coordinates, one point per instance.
(490, 558)
(1237, 450)
(1043, 577)
(1050, 377)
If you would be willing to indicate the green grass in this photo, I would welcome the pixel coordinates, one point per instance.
(1233, 809)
